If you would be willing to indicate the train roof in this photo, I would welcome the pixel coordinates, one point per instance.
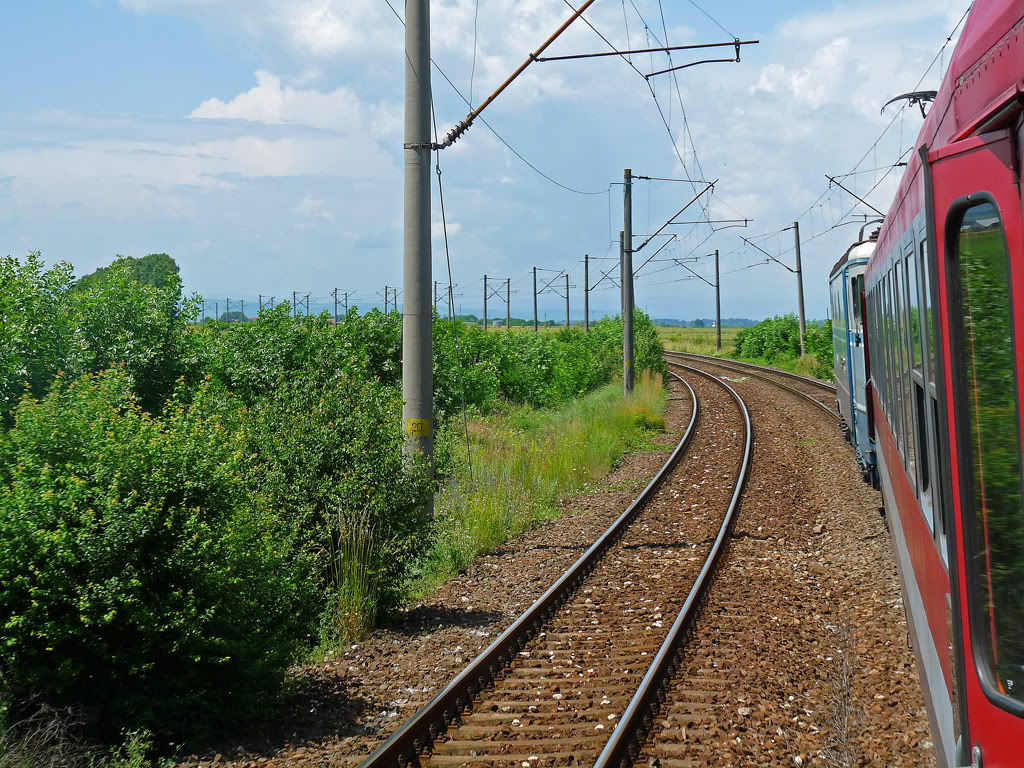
(979, 83)
(863, 248)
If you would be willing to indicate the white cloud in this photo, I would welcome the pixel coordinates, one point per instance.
(313, 210)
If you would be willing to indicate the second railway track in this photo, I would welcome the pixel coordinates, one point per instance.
(820, 393)
(577, 678)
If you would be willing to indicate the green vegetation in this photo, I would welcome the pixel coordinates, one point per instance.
(700, 341)
(525, 460)
(774, 342)
(188, 509)
(157, 270)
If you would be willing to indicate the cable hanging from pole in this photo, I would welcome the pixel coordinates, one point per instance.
(455, 133)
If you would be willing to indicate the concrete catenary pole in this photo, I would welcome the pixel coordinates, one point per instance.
(295, 304)
(627, 282)
(718, 305)
(800, 288)
(417, 320)
(508, 303)
(435, 297)
(622, 281)
(586, 293)
(485, 302)
(566, 299)
(386, 297)
(243, 310)
(335, 306)
(346, 304)
(535, 300)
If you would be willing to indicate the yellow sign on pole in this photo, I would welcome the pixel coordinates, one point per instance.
(417, 427)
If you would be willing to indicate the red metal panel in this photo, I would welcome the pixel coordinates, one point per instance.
(928, 570)
(979, 167)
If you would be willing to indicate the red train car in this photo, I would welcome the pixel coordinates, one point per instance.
(945, 302)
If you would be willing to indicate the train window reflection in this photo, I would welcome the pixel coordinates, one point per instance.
(993, 462)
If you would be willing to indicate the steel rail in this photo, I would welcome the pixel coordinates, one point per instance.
(636, 722)
(780, 372)
(707, 360)
(433, 719)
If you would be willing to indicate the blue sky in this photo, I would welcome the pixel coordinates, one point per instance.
(259, 142)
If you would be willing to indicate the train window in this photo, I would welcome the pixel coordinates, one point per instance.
(906, 321)
(991, 458)
(856, 286)
(926, 309)
(914, 316)
(919, 385)
(893, 368)
(900, 347)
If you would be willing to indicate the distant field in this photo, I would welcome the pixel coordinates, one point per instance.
(698, 340)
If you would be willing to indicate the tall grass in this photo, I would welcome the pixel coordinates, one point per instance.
(352, 607)
(524, 461)
(699, 341)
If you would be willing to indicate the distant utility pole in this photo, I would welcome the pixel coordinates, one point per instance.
(346, 304)
(216, 311)
(535, 300)
(335, 306)
(294, 304)
(307, 305)
(385, 299)
(508, 304)
(800, 288)
(417, 320)
(718, 304)
(394, 296)
(485, 302)
(566, 299)
(627, 283)
(586, 293)
(261, 302)
(435, 297)
(451, 309)
(243, 310)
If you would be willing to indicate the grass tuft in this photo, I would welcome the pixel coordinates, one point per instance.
(525, 461)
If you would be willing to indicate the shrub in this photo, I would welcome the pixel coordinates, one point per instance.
(137, 584)
(819, 344)
(37, 337)
(326, 454)
(49, 326)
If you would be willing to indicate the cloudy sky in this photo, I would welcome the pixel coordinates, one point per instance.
(259, 141)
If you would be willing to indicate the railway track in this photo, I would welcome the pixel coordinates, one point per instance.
(580, 675)
(818, 392)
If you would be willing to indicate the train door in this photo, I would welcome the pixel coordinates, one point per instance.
(979, 292)
(855, 335)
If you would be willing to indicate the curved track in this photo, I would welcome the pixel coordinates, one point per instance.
(555, 685)
(798, 385)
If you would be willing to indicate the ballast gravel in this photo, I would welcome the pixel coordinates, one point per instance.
(814, 670)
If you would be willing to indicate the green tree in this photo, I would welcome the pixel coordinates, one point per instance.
(157, 269)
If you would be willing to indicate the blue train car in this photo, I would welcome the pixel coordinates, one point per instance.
(846, 285)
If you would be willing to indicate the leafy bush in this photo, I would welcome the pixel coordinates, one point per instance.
(36, 328)
(49, 326)
(326, 454)
(137, 582)
(819, 344)
(776, 341)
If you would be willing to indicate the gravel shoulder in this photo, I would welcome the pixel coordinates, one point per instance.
(805, 634)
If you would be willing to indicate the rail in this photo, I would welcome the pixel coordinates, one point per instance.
(759, 372)
(433, 719)
(624, 745)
